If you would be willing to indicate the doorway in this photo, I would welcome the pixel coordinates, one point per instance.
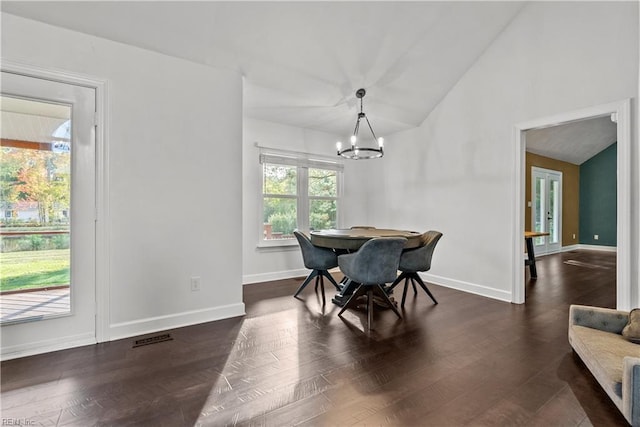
(49, 197)
(620, 113)
(546, 209)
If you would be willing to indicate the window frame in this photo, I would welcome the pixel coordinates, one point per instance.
(303, 162)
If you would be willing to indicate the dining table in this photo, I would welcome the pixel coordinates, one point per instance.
(531, 256)
(347, 240)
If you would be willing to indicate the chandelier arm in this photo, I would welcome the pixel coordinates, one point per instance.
(357, 128)
(371, 129)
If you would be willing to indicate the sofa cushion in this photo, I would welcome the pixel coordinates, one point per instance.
(603, 353)
(632, 330)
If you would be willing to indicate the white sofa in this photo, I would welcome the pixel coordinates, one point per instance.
(595, 335)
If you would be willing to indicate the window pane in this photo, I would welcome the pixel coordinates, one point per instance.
(279, 217)
(540, 209)
(278, 179)
(322, 214)
(554, 208)
(35, 200)
(323, 182)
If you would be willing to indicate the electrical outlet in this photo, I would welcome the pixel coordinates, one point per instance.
(574, 236)
(195, 283)
(596, 237)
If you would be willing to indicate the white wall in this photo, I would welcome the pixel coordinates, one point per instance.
(263, 264)
(175, 174)
(454, 172)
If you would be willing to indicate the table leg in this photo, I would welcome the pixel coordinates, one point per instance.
(531, 261)
(348, 287)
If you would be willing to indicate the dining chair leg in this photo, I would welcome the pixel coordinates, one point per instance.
(369, 307)
(423, 286)
(309, 278)
(415, 291)
(332, 280)
(399, 279)
(380, 291)
(404, 292)
(324, 302)
(353, 298)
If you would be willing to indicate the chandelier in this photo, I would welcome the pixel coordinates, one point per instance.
(355, 151)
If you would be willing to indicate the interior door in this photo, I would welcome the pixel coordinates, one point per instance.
(546, 215)
(29, 106)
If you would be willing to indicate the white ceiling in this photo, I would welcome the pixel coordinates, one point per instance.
(303, 61)
(574, 142)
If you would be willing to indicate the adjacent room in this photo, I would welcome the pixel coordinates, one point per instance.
(320, 213)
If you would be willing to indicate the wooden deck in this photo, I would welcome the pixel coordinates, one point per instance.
(34, 305)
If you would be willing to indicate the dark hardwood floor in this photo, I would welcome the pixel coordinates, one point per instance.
(469, 360)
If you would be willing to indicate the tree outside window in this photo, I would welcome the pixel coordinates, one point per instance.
(300, 195)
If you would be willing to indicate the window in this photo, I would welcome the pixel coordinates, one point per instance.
(298, 191)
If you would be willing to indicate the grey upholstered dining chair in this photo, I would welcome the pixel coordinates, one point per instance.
(374, 264)
(319, 260)
(414, 260)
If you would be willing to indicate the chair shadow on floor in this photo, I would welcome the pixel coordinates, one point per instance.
(356, 319)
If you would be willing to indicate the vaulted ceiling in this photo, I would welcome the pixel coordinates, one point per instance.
(303, 61)
(574, 142)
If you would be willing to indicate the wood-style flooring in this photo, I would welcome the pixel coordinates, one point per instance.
(469, 360)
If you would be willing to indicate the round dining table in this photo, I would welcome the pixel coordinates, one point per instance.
(350, 240)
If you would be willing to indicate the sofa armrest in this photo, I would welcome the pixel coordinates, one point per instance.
(604, 319)
(631, 389)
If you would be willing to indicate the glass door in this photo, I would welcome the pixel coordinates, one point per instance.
(47, 205)
(546, 207)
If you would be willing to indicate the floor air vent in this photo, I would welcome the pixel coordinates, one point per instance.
(152, 340)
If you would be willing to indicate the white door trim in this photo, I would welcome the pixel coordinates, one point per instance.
(102, 178)
(623, 275)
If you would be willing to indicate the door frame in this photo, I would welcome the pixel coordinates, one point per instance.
(538, 169)
(102, 219)
(622, 111)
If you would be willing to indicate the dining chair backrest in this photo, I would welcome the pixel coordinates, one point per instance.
(419, 259)
(376, 261)
(362, 227)
(315, 257)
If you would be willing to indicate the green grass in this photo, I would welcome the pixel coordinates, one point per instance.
(34, 269)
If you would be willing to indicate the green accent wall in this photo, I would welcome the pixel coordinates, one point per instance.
(598, 198)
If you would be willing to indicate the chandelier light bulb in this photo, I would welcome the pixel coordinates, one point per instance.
(353, 140)
(339, 145)
(381, 142)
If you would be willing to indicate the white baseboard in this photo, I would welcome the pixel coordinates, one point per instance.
(598, 248)
(577, 247)
(472, 288)
(172, 321)
(46, 346)
(438, 280)
(276, 275)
